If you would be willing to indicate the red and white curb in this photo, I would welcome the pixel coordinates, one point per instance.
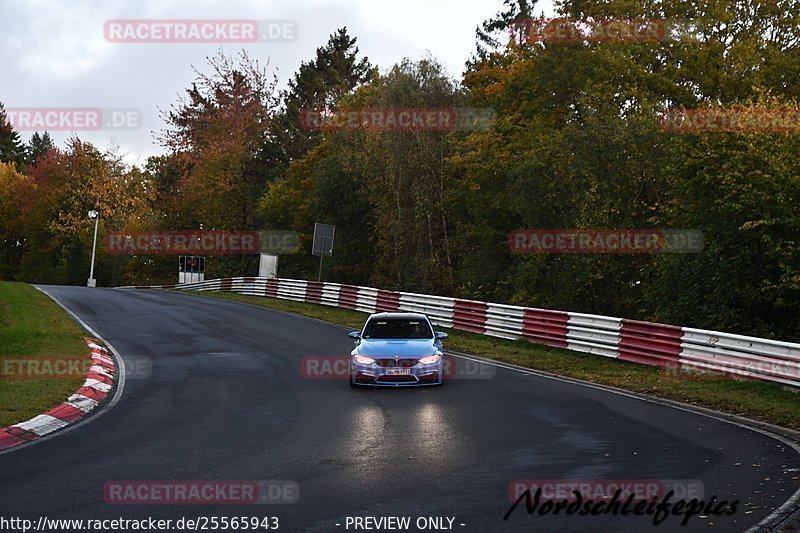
(98, 385)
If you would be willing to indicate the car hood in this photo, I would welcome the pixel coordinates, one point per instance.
(401, 347)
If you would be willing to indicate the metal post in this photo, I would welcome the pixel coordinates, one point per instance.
(91, 282)
(321, 255)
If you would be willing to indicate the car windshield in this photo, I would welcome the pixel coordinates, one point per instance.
(398, 328)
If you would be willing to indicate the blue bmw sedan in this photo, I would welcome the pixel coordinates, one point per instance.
(395, 350)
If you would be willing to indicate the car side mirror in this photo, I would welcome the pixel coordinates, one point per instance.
(441, 335)
(354, 335)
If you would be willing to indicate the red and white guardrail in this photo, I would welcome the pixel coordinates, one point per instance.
(629, 340)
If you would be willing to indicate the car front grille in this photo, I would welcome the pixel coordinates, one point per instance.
(396, 363)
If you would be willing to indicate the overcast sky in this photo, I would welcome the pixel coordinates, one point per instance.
(55, 54)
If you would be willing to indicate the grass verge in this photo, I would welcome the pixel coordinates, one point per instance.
(758, 400)
(37, 339)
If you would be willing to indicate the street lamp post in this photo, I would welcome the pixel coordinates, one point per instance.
(96, 216)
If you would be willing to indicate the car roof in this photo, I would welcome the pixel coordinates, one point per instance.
(409, 316)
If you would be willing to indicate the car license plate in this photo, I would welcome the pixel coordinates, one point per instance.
(398, 371)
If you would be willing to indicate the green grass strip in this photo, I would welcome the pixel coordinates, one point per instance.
(32, 326)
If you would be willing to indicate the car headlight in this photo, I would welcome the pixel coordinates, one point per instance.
(430, 360)
(363, 360)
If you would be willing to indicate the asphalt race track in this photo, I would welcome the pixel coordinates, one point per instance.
(226, 400)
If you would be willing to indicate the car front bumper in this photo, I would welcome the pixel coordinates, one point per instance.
(376, 376)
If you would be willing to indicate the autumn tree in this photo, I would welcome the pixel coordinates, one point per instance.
(16, 193)
(215, 134)
(58, 233)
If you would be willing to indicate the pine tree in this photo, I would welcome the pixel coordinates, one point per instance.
(318, 84)
(11, 149)
(38, 147)
(490, 32)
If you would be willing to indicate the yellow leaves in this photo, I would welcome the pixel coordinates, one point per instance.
(16, 193)
(9, 174)
(13, 184)
(85, 179)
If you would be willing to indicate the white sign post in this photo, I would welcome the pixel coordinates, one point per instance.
(268, 266)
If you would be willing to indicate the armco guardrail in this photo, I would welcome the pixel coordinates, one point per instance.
(628, 340)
